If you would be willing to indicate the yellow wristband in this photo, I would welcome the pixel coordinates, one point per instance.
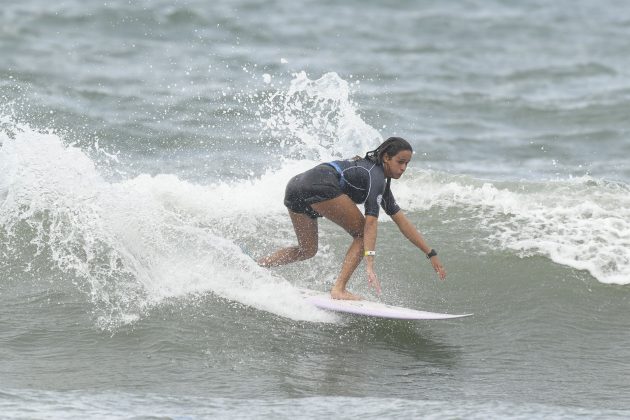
(369, 253)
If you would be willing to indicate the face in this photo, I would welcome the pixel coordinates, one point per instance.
(395, 166)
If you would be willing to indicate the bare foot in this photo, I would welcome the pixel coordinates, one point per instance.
(343, 295)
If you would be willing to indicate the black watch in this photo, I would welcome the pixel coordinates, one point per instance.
(433, 253)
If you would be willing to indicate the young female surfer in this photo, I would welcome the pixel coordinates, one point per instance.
(332, 190)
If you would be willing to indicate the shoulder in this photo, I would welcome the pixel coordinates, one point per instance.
(373, 167)
(376, 171)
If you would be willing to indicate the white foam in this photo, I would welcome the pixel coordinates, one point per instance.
(142, 240)
(579, 222)
(137, 242)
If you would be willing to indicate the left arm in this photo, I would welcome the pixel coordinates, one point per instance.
(415, 237)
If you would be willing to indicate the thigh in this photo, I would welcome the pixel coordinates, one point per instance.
(344, 212)
(305, 229)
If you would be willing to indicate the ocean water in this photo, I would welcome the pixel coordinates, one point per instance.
(145, 144)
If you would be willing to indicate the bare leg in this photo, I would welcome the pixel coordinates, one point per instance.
(306, 232)
(345, 213)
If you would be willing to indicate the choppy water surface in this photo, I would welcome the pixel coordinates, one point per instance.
(143, 145)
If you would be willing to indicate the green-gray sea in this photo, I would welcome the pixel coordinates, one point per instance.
(145, 144)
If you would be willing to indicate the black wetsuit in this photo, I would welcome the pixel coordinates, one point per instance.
(362, 180)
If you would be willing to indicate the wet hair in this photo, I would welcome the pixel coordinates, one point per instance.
(392, 146)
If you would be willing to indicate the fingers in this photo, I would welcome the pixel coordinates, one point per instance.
(373, 281)
(377, 286)
(439, 269)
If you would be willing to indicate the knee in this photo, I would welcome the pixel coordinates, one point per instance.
(356, 231)
(357, 234)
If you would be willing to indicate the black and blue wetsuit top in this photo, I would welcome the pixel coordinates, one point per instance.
(364, 182)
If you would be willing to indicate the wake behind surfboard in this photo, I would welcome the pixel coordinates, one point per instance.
(370, 308)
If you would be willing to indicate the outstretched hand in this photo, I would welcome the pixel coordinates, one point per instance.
(373, 281)
(438, 267)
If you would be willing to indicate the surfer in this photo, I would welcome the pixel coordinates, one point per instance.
(332, 190)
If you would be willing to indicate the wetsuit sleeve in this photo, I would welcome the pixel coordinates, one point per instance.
(375, 197)
(389, 203)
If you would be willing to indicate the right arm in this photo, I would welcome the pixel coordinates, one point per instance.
(369, 244)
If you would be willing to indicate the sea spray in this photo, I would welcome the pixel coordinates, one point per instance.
(127, 244)
(316, 119)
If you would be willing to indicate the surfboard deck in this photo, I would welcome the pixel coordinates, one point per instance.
(370, 308)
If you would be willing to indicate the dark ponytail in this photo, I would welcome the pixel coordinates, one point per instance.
(391, 146)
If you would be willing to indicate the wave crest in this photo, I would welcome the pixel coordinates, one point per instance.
(131, 244)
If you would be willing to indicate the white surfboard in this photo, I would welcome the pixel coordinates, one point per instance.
(370, 308)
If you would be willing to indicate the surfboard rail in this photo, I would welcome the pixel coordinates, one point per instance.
(370, 308)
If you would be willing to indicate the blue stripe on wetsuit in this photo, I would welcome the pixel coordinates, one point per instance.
(342, 181)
